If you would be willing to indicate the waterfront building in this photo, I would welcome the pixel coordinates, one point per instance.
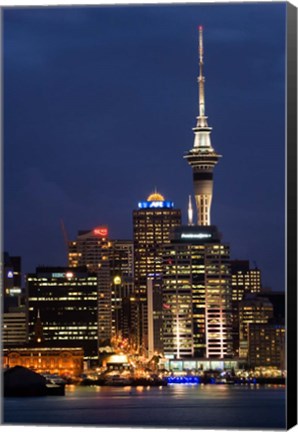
(152, 223)
(64, 299)
(14, 318)
(155, 316)
(244, 280)
(44, 359)
(197, 306)
(122, 283)
(202, 157)
(112, 261)
(14, 326)
(201, 364)
(252, 310)
(12, 277)
(266, 345)
(92, 249)
(277, 298)
(128, 320)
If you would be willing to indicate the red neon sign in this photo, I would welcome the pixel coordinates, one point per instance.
(101, 231)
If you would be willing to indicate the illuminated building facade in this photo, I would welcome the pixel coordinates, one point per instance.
(252, 310)
(202, 157)
(61, 361)
(14, 318)
(278, 300)
(152, 224)
(218, 302)
(178, 326)
(244, 280)
(64, 299)
(128, 320)
(12, 276)
(197, 295)
(92, 249)
(14, 327)
(112, 261)
(266, 345)
(122, 282)
(155, 316)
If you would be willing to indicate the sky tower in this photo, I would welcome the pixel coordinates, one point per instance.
(202, 157)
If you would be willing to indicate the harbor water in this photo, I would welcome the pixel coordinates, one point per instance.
(176, 405)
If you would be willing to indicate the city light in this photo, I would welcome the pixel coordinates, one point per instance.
(155, 204)
(101, 231)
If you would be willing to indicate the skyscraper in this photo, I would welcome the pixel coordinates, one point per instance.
(202, 157)
(152, 224)
(244, 280)
(12, 279)
(252, 310)
(62, 304)
(92, 249)
(122, 284)
(112, 261)
(197, 295)
(14, 323)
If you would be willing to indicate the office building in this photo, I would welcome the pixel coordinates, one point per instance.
(63, 300)
(152, 224)
(252, 310)
(12, 293)
(155, 316)
(278, 300)
(197, 307)
(122, 282)
(14, 317)
(112, 261)
(14, 327)
(266, 345)
(92, 249)
(245, 280)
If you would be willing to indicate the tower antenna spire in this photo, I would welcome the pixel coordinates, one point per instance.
(202, 157)
(201, 78)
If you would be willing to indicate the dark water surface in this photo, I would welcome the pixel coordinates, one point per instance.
(181, 406)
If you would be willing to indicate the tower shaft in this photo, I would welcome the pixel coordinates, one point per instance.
(202, 157)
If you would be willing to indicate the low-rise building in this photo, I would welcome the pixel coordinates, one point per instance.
(42, 359)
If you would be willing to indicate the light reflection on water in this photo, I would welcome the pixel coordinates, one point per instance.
(175, 405)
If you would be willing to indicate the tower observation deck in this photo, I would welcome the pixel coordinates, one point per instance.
(202, 157)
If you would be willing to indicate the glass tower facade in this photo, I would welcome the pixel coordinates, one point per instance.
(64, 301)
(152, 224)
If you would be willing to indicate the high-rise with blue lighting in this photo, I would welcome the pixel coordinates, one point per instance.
(152, 223)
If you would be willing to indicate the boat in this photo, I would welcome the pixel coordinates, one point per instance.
(117, 380)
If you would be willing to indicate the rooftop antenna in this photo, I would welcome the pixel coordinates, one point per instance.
(65, 236)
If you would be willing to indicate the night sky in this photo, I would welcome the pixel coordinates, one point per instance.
(99, 105)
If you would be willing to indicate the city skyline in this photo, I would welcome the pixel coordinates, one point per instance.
(151, 119)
